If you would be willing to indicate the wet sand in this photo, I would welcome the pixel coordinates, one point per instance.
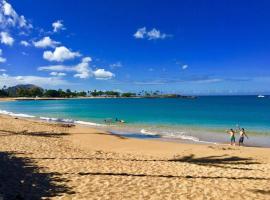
(39, 160)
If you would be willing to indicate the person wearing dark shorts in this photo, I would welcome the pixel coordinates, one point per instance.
(242, 136)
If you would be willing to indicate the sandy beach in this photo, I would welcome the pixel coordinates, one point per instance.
(39, 160)
(7, 99)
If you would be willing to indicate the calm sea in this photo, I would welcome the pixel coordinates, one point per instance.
(204, 119)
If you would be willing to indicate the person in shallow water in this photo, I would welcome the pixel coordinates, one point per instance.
(242, 136)
(232, 136)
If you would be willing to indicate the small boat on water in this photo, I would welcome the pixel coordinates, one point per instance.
(261, 96)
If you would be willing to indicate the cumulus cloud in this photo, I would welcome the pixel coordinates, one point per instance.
(58, 25)
(6, 38)
(25, 43)
(82, 70)
(102, 74)
(2, 60)
(60, 54)
(10, 18)
(5, 79)
(46, 42)
(184, 67)
(140, 33)
(153, 34)
(58, 74)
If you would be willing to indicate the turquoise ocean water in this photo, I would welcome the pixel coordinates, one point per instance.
(204, 119)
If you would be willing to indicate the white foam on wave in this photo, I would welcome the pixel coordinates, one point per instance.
(88, 123)
(4, 112)
(71, 121)
(175, 135)
(53, 119)
(145, 132)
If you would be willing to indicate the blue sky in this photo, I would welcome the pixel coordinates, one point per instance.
(189, 47)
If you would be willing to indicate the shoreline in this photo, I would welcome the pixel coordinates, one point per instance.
(84, 129)
(115, 131)
(189, 125)
(192, 136)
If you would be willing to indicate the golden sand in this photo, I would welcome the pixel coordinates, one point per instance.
(6, 99)
(39, 160)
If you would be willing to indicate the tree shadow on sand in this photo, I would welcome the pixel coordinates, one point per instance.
(189, 159)
(265, 192)
(36, 133)
(168, 176)
(216, 161)
(20, 178)
(223, 161)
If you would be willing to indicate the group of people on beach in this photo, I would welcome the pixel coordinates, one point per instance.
(116, 120)
(242, 135)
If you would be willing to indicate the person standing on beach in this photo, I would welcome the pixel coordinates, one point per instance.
(242, 136)
(232, 134)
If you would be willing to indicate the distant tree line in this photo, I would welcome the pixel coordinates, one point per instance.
(35, 91)
(109, 93)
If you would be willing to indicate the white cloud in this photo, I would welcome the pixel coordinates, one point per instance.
(46, 42)
(6, 38)
(184, 67)
(140, 33)
(58, 25)
(2, 60)
(58, 74)
(82, 70)
(116, 65)
(153, 34)
(101, 74)
(4, 75)
(210, 80)
(3, 70)
(25, 43)
(60, 54)
(7, 8)
(37, 80)
(87, 59)
(56, 68)
(10, 18)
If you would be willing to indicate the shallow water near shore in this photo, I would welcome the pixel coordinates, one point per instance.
(203, 120)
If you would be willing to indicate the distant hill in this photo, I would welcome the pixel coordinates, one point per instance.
(25, 90)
